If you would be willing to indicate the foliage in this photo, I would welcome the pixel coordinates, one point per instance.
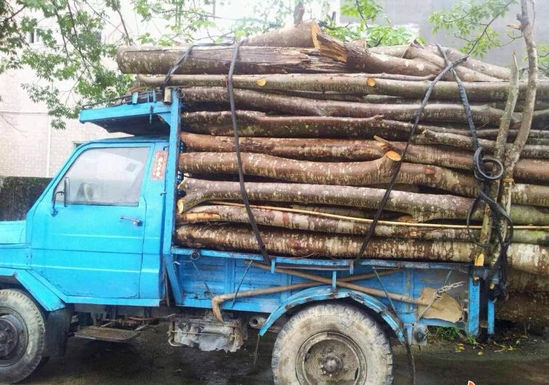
(543, 58)
(366, 12)
(73, 62)
(71, 54)
(472, 21)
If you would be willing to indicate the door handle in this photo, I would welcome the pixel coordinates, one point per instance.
(135, 221)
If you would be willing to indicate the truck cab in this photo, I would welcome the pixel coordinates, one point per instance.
(99, 241)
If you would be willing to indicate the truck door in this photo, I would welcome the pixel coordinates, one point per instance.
(87, 233)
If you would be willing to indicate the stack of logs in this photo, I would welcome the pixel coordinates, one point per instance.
(322, 125)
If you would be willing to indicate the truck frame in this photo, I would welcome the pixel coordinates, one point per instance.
(95, 258)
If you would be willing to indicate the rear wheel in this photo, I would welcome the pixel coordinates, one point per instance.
(22, 336)
(332, 344)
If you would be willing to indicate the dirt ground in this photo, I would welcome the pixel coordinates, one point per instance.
(512, 360)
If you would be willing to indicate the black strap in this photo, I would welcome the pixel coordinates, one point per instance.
(243, 192)
(396, 169)
(185, 54)
(484, 176)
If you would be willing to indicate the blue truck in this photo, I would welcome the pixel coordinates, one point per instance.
(96, 258)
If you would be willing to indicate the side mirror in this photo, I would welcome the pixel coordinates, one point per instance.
(64, 192)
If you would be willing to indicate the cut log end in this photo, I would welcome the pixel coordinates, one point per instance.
(393, 155)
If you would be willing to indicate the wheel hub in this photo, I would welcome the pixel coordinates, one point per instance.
(332, 365)
(331, 358)
(10, 327)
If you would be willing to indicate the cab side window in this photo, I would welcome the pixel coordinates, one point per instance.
(105, 176)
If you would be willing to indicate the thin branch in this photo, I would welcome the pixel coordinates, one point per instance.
(13, 15)
(485, 30)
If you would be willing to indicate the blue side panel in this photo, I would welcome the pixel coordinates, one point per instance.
(474, 307)
(12, 232)
(325, 293)
(204, 274)
(40, 292)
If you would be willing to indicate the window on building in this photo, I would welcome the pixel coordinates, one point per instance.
(34, 36)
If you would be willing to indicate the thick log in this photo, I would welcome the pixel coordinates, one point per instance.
(315, 149)
(354, 84)
(474, 64)
(258, 124)
(358, 58)
(332, 224)
(294, 148)
(439, 137)
(483, 115)
(298, 35)
(524, 257)
(476, 91)
(421, 207)
(464, 73)
(351, 84)
(217, 59)
(366, 173)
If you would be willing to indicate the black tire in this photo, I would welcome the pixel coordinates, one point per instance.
(22, 336)
(332, 344)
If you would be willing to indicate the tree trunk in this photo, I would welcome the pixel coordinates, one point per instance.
(351, 84)
(464, 73)
(421, 207)
(482, 115)
(524, 257)
(477, 65)
(334, 150)
(358, 58)
(253, 123)
(294, 148)
(366, 173)
(292, 219)
(217, 59)
(299, 35)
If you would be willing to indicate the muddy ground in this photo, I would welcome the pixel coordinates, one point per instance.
(514, 359)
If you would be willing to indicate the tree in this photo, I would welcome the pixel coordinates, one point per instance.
(472, 22)
(75, 52)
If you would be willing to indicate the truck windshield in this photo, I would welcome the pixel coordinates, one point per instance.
(105, 176)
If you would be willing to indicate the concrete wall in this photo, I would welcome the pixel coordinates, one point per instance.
(417, 12)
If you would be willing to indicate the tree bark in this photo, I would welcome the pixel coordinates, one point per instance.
(367, 173)
(299, 35)
(258, 124)
(524, 257)
(358, 58)
(422, 207)
(294, 148)
(482, 115)
(476, 91)
(217, 59)
(477, 65)
(433, 57)
(332, 224)
(333, 150)
(433, 137)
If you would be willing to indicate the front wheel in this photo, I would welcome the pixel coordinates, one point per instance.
(22, 336)
(332, 344)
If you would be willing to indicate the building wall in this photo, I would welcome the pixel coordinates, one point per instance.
(29, 146)
(416, 12)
